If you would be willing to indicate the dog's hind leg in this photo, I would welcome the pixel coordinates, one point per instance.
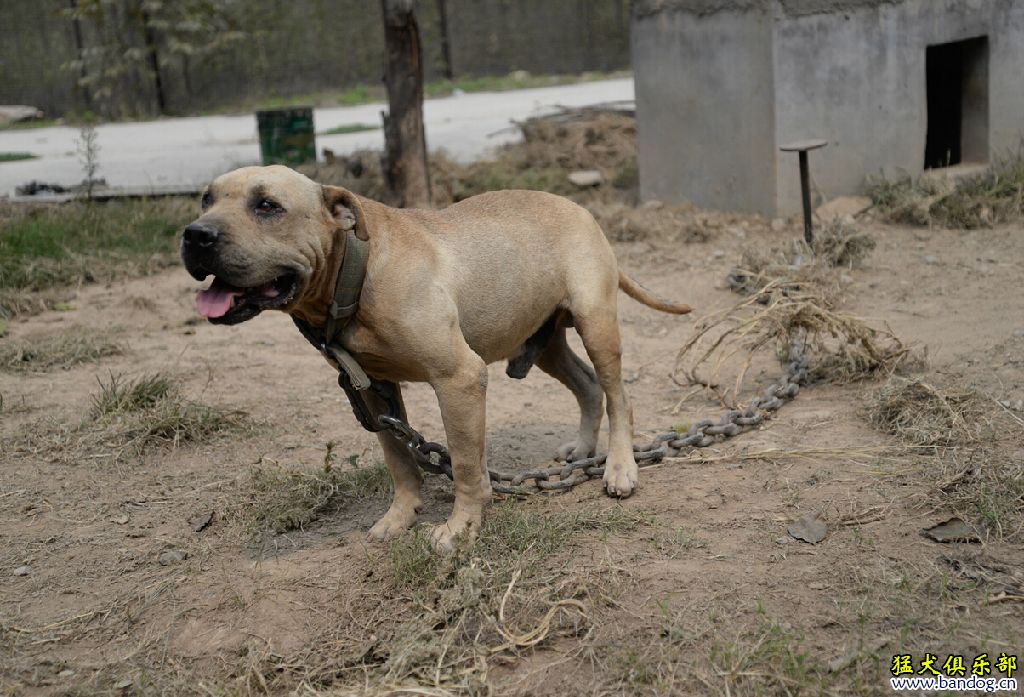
(560, 362)
(597, 322)
(405, 474)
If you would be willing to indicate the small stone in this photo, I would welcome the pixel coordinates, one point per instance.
(778, 224)
(586, 177)
(1019, 333)
(782, 540)
(654, 204)
(172, 556)
(845, 279)
(23, 571)
(739, 232)
(200, 522)
(931, 260)
(816, 586)
(65, 673)
(718, 254)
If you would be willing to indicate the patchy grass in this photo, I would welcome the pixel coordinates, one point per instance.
(16, 156)
(29, 124)
(132, 415)
(119, 396)
(349, 128)
(773, 661)
(445, 621)
(280, 499)
(49, 247)
(922, 414)
(985, 486)
(981, 200)
(552, 147)
(836, 245)
(56, 351)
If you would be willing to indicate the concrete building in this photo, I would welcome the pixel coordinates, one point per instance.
(895, 86)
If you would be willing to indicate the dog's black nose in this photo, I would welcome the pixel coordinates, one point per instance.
(201, 234)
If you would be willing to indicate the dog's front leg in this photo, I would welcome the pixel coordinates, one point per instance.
(405, 474)
(461, 394)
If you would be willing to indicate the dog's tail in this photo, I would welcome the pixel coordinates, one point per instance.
(642, 295)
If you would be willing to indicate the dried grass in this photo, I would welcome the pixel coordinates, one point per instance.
(788, 315)
(446, 621)
(551, 147)
(836, 244)
(277, 499)
(982, 200)
(922, 414)
(56, 351)
(131, 416)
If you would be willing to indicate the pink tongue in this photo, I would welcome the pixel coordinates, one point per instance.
(214, 302)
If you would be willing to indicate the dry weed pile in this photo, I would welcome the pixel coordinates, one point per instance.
(551, 147)
(789, 315)
(836, 245)
(982, 200)
(923, 414)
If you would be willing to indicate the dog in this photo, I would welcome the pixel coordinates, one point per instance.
(498, 276)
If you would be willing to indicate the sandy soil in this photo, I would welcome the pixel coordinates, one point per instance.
(99, 614)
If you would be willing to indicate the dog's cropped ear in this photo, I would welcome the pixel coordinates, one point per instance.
(344, 207)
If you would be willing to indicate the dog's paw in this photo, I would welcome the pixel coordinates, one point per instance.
(620, 479)
(574, 450)
(452, 533)
(392, 524)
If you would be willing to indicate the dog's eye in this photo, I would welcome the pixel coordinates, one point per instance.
(205, 203)
(265, 206)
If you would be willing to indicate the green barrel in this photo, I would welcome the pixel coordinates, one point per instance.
(286, 135)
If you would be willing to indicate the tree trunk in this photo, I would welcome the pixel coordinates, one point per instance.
(153, 59)
(81, 84)
(405, 151)
(446, 53)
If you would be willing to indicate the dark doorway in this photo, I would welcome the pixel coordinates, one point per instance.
(957, 87)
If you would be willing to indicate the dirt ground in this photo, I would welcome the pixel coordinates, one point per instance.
(706, 594)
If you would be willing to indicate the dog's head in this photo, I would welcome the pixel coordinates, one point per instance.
(265, 235)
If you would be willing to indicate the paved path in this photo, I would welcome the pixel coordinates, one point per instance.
(193, 150)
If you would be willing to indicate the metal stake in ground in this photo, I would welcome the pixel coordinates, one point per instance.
(802, 147)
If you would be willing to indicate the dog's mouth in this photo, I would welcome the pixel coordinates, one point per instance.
(224, 303)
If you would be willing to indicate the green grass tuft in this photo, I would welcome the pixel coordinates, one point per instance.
(280, 499)
(119, 396)
(136, 414)
(16, 156)
(349, 128)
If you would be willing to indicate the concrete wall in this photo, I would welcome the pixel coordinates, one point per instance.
(851, 72)
(704, 98)
(857, 79)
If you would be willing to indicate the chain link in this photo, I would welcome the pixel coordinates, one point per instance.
(434, 458)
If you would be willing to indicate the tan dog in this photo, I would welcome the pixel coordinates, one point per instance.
(445, 293)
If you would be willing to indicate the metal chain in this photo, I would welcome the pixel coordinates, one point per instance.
(434, 458)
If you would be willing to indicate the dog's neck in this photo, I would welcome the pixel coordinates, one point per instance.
(313, 307)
